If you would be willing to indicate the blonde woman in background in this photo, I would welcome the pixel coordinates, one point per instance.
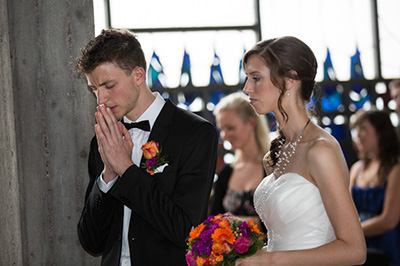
(247, 132)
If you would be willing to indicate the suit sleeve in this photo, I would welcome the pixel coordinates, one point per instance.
(97, 215)
(192, 171)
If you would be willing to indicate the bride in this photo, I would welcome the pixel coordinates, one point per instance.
(305, 201)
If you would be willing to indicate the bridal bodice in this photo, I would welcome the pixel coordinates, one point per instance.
(291, 208)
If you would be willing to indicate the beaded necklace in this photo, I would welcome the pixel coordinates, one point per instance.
(283, 157)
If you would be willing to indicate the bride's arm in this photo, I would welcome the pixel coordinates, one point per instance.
(327, 167)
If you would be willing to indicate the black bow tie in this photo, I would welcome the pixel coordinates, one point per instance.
(143, 125)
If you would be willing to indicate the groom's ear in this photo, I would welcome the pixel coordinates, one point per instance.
(139, 75)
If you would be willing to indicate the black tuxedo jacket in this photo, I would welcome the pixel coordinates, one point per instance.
(164, 206)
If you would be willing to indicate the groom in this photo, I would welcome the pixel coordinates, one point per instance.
(133, 214)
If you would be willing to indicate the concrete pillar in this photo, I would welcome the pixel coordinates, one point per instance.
(46, 123)
(10, 218)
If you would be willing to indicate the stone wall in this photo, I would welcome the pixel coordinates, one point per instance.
(46, 123)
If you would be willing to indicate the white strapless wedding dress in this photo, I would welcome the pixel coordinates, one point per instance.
(292, 210)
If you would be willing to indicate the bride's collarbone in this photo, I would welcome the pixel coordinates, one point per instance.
(296, 167)
(288, 174)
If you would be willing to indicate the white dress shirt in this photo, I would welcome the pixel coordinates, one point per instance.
(139, 138)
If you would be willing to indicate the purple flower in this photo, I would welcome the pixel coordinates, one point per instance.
(209, 219)
(151, 162)
(202, 247)
(241, 245)
(208, 231)
(244, 229)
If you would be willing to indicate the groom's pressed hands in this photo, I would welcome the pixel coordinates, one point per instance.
(115, 144)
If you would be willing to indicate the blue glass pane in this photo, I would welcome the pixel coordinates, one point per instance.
(356, 67)
(331, 100)
(186, 75)
(359, 96)
(155, 72)
(216, 96)
(329, 72)
(216, 73)
(189, 98)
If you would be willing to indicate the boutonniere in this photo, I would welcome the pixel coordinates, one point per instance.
(152, 153)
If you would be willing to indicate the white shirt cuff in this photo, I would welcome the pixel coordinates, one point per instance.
(103, 186)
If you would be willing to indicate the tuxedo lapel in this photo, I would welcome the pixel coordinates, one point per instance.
(160, 127)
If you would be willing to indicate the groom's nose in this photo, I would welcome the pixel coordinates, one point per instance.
(102, 96)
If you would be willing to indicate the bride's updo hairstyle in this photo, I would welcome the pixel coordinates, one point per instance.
(286, 57)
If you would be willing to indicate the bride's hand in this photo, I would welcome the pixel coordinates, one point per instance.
(260, 258)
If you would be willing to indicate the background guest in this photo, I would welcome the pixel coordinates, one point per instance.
(394, 87)
(375, 182)
(247, 132)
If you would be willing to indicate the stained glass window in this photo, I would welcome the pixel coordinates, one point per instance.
(340, 32)
(179, 13)
(389, 36)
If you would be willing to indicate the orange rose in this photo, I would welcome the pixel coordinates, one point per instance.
(150, 149)
(223, 235)
(219, 248)
(224, 224)
(217, 219)
(214, 258)
(200, 261)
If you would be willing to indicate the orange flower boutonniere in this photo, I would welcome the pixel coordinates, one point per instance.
(152, 153)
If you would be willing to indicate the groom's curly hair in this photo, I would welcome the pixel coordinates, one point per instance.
(120, 47)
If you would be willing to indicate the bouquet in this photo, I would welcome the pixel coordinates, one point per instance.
(221, 240)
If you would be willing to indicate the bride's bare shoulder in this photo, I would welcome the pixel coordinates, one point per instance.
(321, 139)
(322, 146)
(324, 152)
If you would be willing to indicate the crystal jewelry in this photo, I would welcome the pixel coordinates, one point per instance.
(288, 94)
(283, 157)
